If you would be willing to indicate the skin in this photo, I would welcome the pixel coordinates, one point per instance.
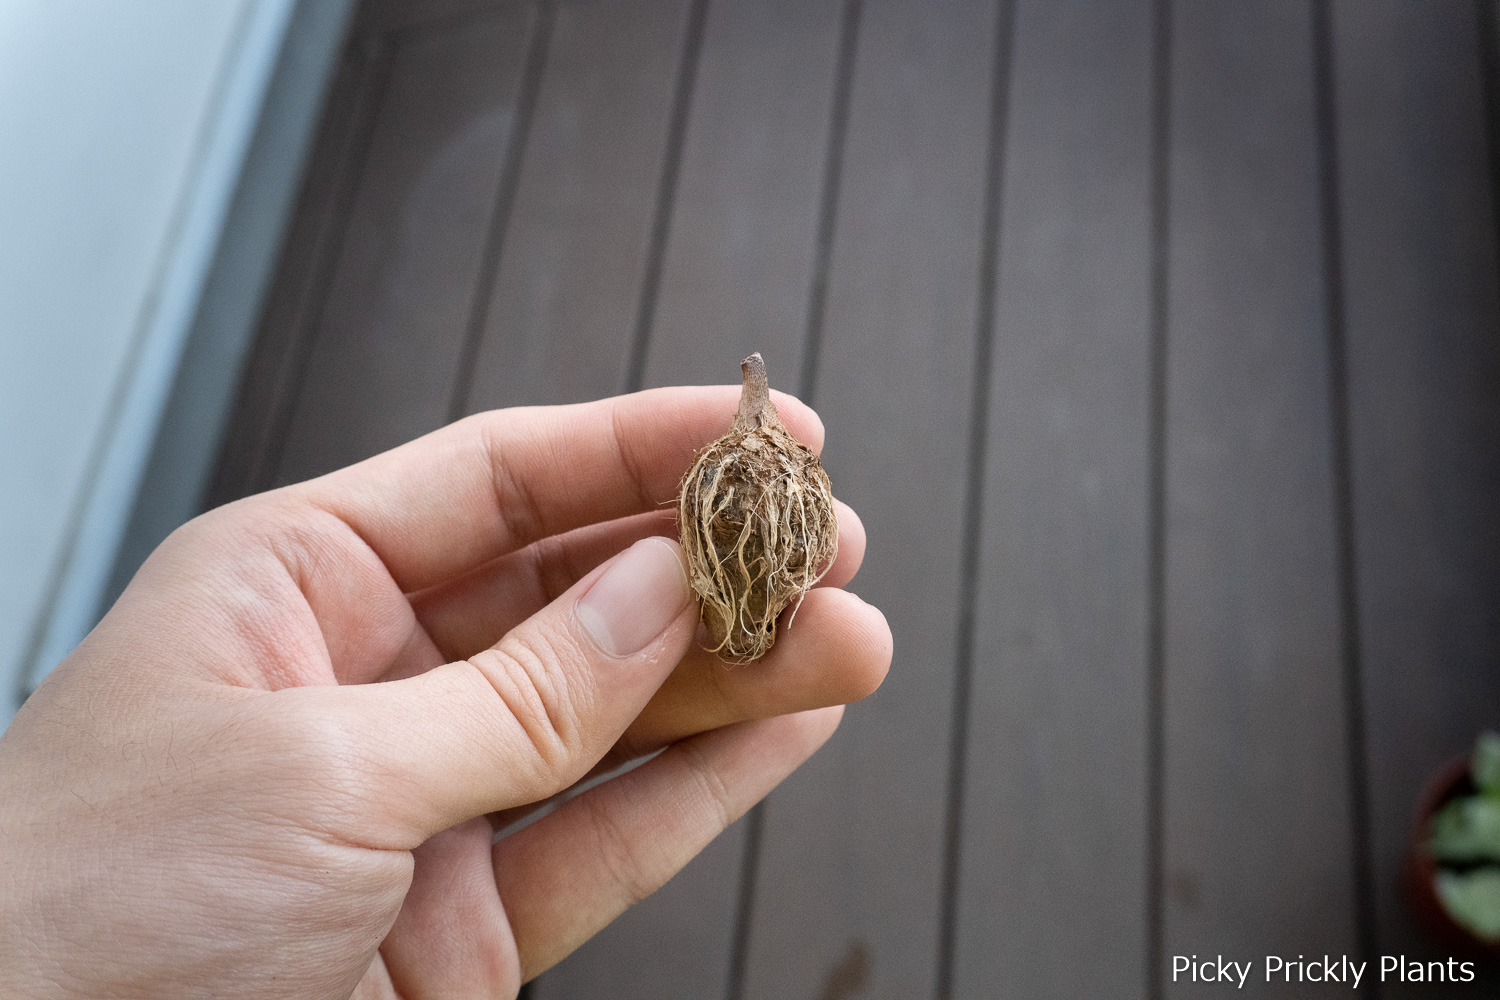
(277, 766)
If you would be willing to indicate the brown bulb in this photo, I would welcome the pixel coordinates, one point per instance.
(757, 521)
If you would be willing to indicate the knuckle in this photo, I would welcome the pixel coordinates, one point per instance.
(551, 568)
(519, 510)
(533, 671)
(711, 784)
(626, 455)
(625, 864)
(306, 755)
(323, 745)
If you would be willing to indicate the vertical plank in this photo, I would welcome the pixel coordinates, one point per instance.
(201, 402)
(558, 328)
(560, 319)
(1487, 17)
(385, 357)
(847, 895)
(673, 945)
(1255, 722)
(400, 15)
(1419, 278)
(739, 262)
(1054, 814)
(735, 279)
(268, 384)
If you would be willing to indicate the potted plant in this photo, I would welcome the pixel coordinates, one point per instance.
(1453, 869)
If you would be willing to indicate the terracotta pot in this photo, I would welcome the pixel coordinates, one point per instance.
(1450, 782)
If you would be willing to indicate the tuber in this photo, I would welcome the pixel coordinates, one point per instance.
(757, 522)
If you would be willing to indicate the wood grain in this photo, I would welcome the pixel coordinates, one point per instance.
(738, 266)
(1255, 717)
(385, 358)
(735, 279)
(1054, 811)
(1423, 312)
(273, 370)
(596, 281)
(852, 847)
(560, 320)
(401, 15)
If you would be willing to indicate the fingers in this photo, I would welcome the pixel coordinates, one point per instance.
(452, 938)
(573, 871)
(837, 652)
(471, 612)
(513, 723)
(466, 494)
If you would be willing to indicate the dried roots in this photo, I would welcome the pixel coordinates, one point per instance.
(757, 522)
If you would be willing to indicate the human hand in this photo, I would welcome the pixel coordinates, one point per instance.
(274, 768)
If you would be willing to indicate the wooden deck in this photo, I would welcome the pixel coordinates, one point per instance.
(1159, 349)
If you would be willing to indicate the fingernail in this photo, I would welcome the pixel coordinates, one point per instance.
(636, 598)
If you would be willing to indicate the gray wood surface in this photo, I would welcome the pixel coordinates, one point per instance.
(738, 266)
(1054, 813)
(1254, 713)
(560, 328)
(398, 306)
(400, 15)
(735, 279)
(253, 438)
(673, 945)
(226, 319)
(562, 311)
(849, 876)
(1424, 365)
(687, 186)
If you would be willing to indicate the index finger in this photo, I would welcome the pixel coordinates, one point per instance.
(492, 483)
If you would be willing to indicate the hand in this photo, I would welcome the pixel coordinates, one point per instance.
(275, 767)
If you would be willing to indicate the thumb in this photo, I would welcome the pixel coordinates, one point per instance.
(527, 717)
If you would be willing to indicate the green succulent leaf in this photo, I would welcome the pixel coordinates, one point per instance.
(1485, 764)
(1467, 830)
(1472, 899)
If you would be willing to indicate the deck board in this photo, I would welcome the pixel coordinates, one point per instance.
(739, 261)
(389, 16)
(398, 307)
(1254, 715)
(1054, 819)
(561, 317)
(735, 277)
(559, 327)
(830, 910)
(690, 183)
(268, 386)
(1424, 366)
